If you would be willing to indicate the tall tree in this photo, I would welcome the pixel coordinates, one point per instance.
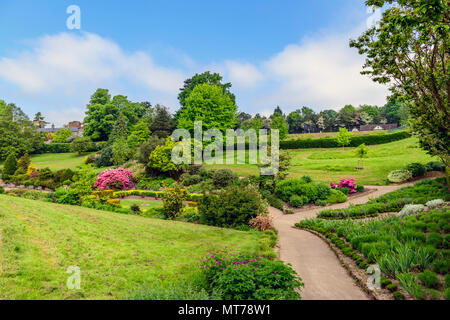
(205, 77)
(408, 49)
(162, 124)
(209, 104)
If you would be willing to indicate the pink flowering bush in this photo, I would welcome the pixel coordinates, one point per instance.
(116, 179)
(350, 184)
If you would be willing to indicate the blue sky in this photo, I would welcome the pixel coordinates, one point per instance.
(287, 53)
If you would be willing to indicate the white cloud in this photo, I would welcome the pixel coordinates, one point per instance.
(63, 117)
(321, 72)
(243, 74)
(67, 62)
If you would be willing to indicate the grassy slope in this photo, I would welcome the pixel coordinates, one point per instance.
(328, 134)
(57, 161)
(116, 253)
(333, 164)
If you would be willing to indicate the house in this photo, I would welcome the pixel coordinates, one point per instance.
(375, 127)
(76, 127)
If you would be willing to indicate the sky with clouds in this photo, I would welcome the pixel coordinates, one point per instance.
(286, 53)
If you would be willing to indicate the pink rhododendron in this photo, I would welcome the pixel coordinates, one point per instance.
(116, 179)
(350, 184)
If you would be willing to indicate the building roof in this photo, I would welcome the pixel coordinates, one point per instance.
(52, 130)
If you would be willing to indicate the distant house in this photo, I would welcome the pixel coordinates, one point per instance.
(76, 127)
(375, 127)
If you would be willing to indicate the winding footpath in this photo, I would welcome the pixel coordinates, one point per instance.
(324, 277)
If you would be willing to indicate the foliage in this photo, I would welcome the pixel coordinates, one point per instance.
(311, 191)
(279, 123)
(116, 179)
(10, 166)
(344, 137)
(84, 180)
(223, 178)
(209, 104)
(105, 158)
(262, 223)
(248, 277)
(411, 209)
(160, 160)
(232, 207)
(417, 169)
(408, 49)
(62, 135)
(80, 145)
(349, 184)
(146, 148)
(434, 203)
(275, 202)
(429, 279)
(435, 166)
(298, 201)
(331, 142)
(163, 123)
(336, 196)
(120, 151)
(24, 162)
(173, 201)
(399, 176)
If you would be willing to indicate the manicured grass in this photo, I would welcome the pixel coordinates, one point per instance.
(57, 161)
(144, 204)
(116, 253)
(330, 165)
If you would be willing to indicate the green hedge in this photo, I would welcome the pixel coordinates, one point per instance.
(331, 142)
(65, 147)
(153, 194)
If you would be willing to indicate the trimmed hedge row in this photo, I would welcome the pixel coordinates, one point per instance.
(331, 142)
(65, 147)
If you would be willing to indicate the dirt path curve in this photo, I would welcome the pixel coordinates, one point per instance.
(310, 256)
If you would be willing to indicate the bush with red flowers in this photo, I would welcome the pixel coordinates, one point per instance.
(115, 179)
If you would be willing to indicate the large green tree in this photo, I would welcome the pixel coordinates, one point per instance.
(208, 103)
(205, 77)
(408, 49)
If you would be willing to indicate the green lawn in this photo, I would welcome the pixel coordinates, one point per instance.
(329, 134)
(116, 253)
(57, 161)
(333, 164)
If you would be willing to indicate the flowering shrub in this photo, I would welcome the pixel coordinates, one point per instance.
(248, 277)
(116, 179)
(349, 184)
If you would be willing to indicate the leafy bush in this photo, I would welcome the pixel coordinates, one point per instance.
(45, 174)
(231, 207)
(311, 191)
(105, 158)
(360, 188)
(247, 277)
(411, 209)
(397, 295)
(117, 179)
(307, 179)
(189, 214)
(10, 166)
(223, 178)
(435, 166)
(173, 201)
(336, 196)
(399, 176)
(2, 190)
(429, 279)
(66, 196)
(189, 180)
(417, 169)
(136, 209)
(298, 201)
(183, 290)
(348, 184)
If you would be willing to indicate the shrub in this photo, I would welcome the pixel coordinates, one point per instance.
(66, 196)
(336, 196)
(189, 214)
(173, 201)
(312, 191)
(223, 178)
(45, 174)
(231, 207)
(435, 166)
(288, 211)
(434, 240)
(113, 201)
(117, 179)
(348, 184)
(399, 176)
(411, 209)
(345, 191)
(189, 180)
(261, 222)
(434, 203)
(10, 166)
(392, 287)
(246, 277)
(105, 158)
(360, 188)
(321, 203)
(135, 209)
(441, 266)
(397, 295)
(307, 179)
(2, 190)
(24, 162)
(298, 201)
(416, 169)
(64, 175)
(429, 279)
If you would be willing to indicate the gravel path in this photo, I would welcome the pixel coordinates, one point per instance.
(310, 256)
